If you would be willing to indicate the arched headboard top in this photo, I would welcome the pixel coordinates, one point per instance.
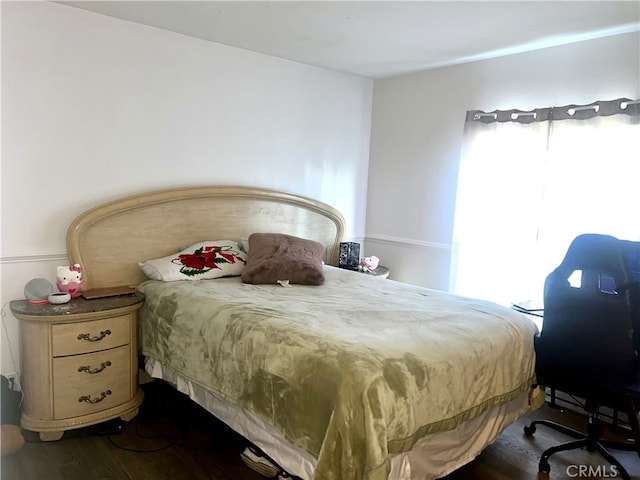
(111, 239)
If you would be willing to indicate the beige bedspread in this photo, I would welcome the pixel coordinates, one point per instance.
(350, 371)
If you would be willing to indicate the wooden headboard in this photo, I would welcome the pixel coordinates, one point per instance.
(109, 240)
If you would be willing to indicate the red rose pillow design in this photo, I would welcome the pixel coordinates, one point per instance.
(201, 261)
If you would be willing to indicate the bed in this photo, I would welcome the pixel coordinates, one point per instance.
(355, 378)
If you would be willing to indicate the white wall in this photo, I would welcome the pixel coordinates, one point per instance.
(94, 108)
(417, 130)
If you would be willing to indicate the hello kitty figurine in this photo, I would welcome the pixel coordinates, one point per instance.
(69, 279)
(369, 264)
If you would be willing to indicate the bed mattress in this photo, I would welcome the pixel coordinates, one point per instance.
(433, 456)
(356, 373)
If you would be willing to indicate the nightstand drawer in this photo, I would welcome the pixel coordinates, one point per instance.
(90, 368)
(74, 338)
(86, 398)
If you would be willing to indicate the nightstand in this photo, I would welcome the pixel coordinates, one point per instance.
(79, 363)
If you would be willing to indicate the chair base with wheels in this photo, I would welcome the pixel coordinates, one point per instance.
(592, 441)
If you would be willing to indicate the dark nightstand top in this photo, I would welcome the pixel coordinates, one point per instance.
(75, 306)
(378, 272)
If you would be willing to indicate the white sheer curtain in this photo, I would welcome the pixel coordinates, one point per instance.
(530, 182)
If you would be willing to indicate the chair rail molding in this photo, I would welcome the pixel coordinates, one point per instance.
(61, 257)
(407, 242)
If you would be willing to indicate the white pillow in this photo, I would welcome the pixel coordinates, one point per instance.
(200, 261)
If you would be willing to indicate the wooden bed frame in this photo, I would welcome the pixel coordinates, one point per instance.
(109, 240)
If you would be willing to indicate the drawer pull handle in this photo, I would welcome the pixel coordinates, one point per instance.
(88, 369)
(88, 399)
(89, 338)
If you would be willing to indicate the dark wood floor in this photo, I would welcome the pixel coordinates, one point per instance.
(182, 441)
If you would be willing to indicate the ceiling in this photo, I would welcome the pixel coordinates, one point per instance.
(378, 39)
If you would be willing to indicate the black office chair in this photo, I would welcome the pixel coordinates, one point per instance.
(587, 344)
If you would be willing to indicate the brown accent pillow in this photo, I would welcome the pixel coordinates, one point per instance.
(276, 256)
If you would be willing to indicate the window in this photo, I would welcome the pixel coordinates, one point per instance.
(530, 182)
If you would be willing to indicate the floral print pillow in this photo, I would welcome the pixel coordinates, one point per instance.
(200, 261)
